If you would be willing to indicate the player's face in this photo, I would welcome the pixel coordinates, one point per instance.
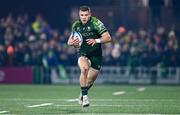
(84, 16)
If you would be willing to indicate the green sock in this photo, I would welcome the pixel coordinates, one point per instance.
(84, 90)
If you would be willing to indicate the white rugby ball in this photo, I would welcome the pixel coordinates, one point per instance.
(77, 35)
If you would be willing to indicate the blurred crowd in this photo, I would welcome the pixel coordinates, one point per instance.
(25, 42)
(147, 48)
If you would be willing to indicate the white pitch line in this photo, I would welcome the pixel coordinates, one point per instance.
(141, 89)
(4, 111)
(119, 93)
(72, 100)
(40, 105)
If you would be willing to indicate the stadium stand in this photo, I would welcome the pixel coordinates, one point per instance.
(25, 43)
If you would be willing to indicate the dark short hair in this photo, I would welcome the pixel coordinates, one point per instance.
(84, 8)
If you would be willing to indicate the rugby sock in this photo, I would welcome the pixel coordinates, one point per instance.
(84, 90)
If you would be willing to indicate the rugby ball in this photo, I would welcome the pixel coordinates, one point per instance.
(77, 35)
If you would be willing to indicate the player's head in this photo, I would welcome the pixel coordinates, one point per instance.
(84, 14)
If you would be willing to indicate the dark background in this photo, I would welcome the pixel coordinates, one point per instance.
(56, 12)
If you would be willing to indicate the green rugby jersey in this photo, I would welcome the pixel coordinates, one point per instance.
(94, 28)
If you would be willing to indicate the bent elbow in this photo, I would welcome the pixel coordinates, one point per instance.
(67, 43)
(109, 39)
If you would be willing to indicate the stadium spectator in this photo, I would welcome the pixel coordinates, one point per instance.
(140, 48)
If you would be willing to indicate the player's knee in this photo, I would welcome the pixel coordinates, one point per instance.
(84, 70)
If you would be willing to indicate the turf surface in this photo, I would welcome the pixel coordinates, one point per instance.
(62, 99)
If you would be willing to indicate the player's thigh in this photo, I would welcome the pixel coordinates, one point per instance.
(92, 74)
(83, 62)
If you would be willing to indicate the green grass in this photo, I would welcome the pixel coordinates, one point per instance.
(153, 100)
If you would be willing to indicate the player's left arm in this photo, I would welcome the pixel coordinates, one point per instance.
(102, 31)
(105, 38)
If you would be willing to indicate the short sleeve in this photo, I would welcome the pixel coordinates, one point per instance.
(100, 27)
(73, 27)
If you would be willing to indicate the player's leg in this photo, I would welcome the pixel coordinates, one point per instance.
(84, 68)
(92, 75)
(95, 62)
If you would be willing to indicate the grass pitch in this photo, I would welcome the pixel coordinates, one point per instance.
(104, 99)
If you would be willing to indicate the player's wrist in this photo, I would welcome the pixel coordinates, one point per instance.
(98, 40)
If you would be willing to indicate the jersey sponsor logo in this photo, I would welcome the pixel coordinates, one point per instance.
(87, 29)
(88, 34)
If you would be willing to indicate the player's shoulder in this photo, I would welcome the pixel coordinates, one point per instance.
(76, 23)
(95, 21)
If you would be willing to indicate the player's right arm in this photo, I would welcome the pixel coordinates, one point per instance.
(71, 41)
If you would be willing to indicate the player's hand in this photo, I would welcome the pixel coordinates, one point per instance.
(73, 42)
(76, 42)
(91, 42)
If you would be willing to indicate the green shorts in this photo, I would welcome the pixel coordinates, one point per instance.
(96, 61)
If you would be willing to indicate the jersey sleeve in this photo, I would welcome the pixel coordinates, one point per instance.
(73, 26)
(100, 27)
